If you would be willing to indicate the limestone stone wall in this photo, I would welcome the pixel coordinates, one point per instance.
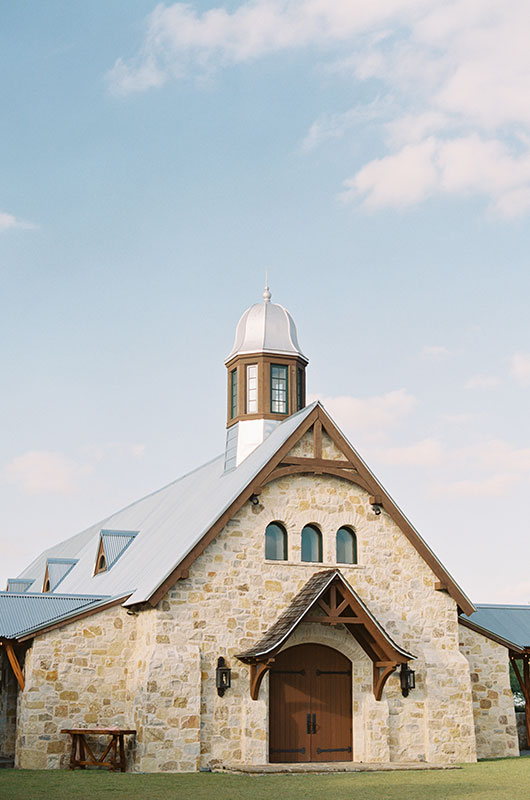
(155, 670)
(76, 676)
(8, 707)
(112, 669)
(493, 707)
(233, 595)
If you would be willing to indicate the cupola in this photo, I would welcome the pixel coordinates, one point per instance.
(266, 377)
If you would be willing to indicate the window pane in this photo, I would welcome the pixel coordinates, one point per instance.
(275, 542)
(233, 393)
(311, 544)
(299, 389)
(346, 546)
(252, 389)
(278, 389)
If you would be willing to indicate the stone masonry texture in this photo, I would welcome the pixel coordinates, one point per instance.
(154, 669)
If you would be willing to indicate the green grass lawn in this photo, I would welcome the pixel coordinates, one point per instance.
(505, 779)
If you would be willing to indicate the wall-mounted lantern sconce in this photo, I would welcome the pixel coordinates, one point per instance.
(376, 504)
(254, 499)
(222, 676)
(407, 678)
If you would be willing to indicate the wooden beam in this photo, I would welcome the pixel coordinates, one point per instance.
(15, 666)
(316, 462)
(348, 475)
(332, 620)
(317, 439)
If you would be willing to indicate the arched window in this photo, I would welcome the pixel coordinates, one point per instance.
(311, 543)
(276, 542)
(346, 546)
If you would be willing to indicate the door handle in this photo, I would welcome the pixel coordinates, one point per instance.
(314, 730)
(308, 723)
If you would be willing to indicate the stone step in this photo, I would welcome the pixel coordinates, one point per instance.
(6, 763)
(333, 766)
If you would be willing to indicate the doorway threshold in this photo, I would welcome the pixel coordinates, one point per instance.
(332, 766)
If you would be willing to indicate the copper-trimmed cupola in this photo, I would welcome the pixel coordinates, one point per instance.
(266, 376)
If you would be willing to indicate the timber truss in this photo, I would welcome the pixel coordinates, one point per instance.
(328, 599)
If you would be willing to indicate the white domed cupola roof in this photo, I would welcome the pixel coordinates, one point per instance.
(266, 328)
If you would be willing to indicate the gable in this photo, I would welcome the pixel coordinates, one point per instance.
(316, 446)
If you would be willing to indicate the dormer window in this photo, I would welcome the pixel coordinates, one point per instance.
(101, 561)
(279, 388)
(252, 388)
(56, 571)
(112, 545)
(233, 393)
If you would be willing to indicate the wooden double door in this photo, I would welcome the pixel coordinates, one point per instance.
(310, 705)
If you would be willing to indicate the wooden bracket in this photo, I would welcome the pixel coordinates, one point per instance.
(257, 673)
(382, 672)
(15, 666)
(440, 587)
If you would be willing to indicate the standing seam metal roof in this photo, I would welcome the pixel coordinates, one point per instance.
(25, 612)
(169, 522)
(506, 621)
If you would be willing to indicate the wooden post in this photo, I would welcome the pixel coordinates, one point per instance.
(15, 666)
(524, 683)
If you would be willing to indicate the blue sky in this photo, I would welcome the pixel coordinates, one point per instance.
(155, 160)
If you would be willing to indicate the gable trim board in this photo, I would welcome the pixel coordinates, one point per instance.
(358, 472)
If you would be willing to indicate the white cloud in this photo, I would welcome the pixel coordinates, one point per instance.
(97, 452)
(482, 382)
(42, 472)
(458, 166)
(494, 486)
(371, 415)
(329, 127)
(520, 367)
(458, 122)
(426, 453)
(9, 221)
(50, 472)
(179, 38)
(435, 351)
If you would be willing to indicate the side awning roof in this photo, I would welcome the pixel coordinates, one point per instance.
(506, 624)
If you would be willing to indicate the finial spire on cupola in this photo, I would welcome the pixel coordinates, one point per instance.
(266, 376)
(266, 294)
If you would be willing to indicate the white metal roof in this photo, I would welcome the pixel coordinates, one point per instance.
(266, 328)
(169, 522)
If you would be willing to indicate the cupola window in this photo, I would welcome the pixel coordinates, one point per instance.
(279, 388)
(233, 393)
(276, 542)
(252, 388)
(311, 543)
(300, 399)
(346, 546)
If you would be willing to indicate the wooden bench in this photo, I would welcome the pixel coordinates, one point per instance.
(81, 755)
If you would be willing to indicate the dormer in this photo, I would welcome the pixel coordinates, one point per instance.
(112, 545)
(56, 571)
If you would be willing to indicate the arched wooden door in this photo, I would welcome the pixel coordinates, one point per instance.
(310, 712)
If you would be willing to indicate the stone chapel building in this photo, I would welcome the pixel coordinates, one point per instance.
(272, 605)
